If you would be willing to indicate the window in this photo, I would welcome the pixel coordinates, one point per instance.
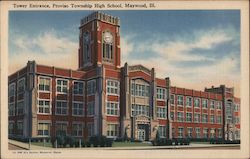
(91, 87)
(180, 132)
(20, 107)
(172, 116)
(219, 119)
(61, 128)
(20, 127)
(140, 90)
(11, 109)
(204, 118)
(236, 120)
(204, 103)
(91, 108)
(205, 132)
(197, 118)
(44, 84)
(21, 85)
(172, 99)
(236, 107)
(112, 130)
(211, 118)
(219, 105)
(140, 110)
(173, 132)
(112, 87)
(62, 86)
(77, 109)
(90, 127)
(161, 93)
(219, 132)
(180, 116)
(112, 108)
(44, 106)
(212, 104)
(197, 102)
(162, 130)
(189, 117)
(189, 132)
(43, 129)
(198, 132)
(12, 89)
(86, 47)
(11, 127)
(212, 133)
(61, 108)
(77, 129)
(189, 101)
(180, 100)
(107, 46)
(78, 87)
(161, 112)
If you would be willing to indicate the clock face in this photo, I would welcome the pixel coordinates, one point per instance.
(86, 37)
(108, 38)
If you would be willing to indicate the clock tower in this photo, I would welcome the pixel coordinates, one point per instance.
(99, 41)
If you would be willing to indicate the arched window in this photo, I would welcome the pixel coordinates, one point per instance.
(107, 46)
(86, 47)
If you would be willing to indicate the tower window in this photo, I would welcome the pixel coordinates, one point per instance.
(86, 47)
(107, 46)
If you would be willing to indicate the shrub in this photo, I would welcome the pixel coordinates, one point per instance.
(109, 142)
(102, 141)
(94, 140)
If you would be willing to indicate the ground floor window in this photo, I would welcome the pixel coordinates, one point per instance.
(43, 129)
(112, 130)
(77, 129)
(61, 128)
(180, 132)
(162, 131)
(173, 132)
(219, 133)
(90, 127)
(44, 106)
(198, 132)
(11, 127)
(205, 132)
(20, 127)
(212, 133)
(189, 132)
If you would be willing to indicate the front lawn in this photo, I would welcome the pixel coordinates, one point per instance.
(130, 144)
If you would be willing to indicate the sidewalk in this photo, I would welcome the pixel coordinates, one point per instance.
(26, 145)
(191, 146)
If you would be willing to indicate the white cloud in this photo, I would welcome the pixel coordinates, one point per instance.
(47, 49)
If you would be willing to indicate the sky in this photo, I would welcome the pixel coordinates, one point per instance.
(195, 48)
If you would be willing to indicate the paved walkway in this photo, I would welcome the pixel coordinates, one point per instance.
(191, 146)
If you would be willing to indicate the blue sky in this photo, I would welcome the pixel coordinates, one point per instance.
(195, 48)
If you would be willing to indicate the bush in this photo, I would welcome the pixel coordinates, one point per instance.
(94, 140)
(102, 141)
(109, 142)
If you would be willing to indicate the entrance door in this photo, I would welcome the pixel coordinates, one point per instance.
(141, 134)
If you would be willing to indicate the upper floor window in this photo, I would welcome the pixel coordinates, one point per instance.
(112, 108)
(44, 84)
(140, 90)
(189, 117)
(140, 110)
(236, 107)
(172, 99)
(21, 85)
(189, 101)
(211, 118)
(61, 107)
(44, 106)
(107, 46)
(180, 116)
(204, 103)
(204, 118)
(197, 118)
(180, 100)
(90, 108)
(77, 109)
(219, 105)
(161, 112)
(62, 86)
(91, 87)
(78, 87)
(20, 108)
(12, 89)
(212, 104)
(11, 109)
(161, 93)
(86, 47)
(112, 87)
(196, 102)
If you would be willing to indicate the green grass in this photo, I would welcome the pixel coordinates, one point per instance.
(130, 144)
(46, 144)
